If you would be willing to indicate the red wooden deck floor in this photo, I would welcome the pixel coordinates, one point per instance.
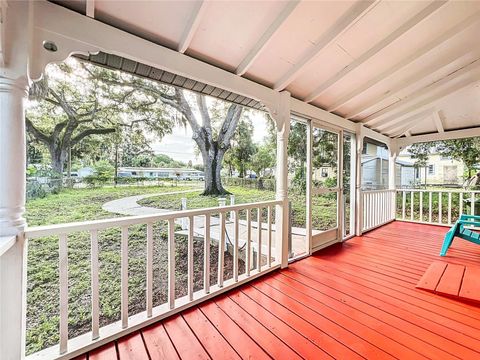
(351, 301)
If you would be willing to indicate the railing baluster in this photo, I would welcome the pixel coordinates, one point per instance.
(248, 257)
(460, 205)
(171, 263)
(412, 198)
(449, 208)
(440, 220)
(421, 205)
(63, 277)
(190, 257)
(404, 200)
(429, 206)
(259, 251)
(149, 269)
(369, 211)
(269, 237)
(94, 282)
(472, 204)
(221, 249)
(206, 256)
(235, 246)
(124, 277)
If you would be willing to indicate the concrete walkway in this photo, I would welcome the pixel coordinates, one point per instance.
(129, 206)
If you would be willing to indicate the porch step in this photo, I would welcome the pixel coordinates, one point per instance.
(456, 281)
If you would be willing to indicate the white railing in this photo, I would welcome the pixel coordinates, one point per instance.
(378, 208)
(439, 207)
(67, 348)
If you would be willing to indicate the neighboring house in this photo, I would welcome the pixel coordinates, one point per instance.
(375, 160)
(439, 171)
(162, 173)
(375, 173)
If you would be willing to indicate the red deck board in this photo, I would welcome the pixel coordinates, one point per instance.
(106, 352)
(213, 342)
(254, 328)
(451, 280)
(184, 340)
(470, 289)
(158, 343)
(353, 300)
(131, 347)
(432, 276)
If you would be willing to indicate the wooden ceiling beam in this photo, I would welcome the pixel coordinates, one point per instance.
(438, 121)
(470, 72)
(411, 23)
(266, 37)
(192, 25)
(90, 8)
(430, 46)
(343, 24)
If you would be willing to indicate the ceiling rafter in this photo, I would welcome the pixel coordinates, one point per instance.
(404, 126)
(438, 121)
(192, 25)
(420, 106)
(419, 17)
(343, 24)
(398, 122)
(447, 135)
(452, 77)
(90, 8)
(407, 82)
(266, 37)
(405, 62)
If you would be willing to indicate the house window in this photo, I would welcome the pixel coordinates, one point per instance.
(324, 172)
(431, 169)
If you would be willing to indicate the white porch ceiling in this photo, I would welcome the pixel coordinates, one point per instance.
(401, 68)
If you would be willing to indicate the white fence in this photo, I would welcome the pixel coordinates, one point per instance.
(440, 207)
(378, 208)
(98, 335)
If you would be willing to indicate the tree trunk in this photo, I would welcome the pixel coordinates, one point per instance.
(212, 161)
(58, 156)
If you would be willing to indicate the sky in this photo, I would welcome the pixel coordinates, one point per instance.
(180, 146)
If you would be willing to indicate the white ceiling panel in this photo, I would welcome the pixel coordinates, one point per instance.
(378, 62)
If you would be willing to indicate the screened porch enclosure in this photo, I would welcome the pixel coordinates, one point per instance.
(333, 87)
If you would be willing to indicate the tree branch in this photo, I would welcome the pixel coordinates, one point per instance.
(89, 132)
(229, 125)
(37, 134)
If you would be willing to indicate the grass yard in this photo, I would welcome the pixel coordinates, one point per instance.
(436, 199)
(323, 206)
(42, 283)
(86, 204)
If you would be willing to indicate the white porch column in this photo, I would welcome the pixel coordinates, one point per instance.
(281, 115)
(358, 182)
(12, 206)
(392, 174)
(13, 93)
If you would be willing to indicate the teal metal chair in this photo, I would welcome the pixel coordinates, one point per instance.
(459, 230)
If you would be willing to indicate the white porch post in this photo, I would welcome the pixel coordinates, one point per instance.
(13, 93)
(12, 206)
(358, 182)
(392, 174)
(281, 115)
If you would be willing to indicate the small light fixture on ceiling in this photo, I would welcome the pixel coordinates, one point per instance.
(50, 46)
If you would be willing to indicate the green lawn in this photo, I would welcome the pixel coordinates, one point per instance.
(42, 283)
(86, 204)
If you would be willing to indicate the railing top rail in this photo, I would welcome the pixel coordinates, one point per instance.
(441, 190)
(378, 191)
(57, 229)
